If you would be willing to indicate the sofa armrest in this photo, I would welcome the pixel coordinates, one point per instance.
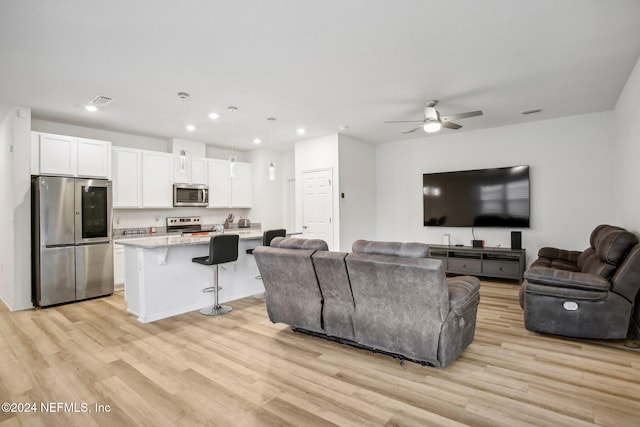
(464, 293)
(559, 254)
(567, 279)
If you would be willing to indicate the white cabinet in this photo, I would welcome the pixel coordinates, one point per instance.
(241, 186)
(219, 184)
(94, 158)
(225, 192)
(127, 178)
(118, 264)
(142, 179)
(199, 170)
(70, 156)
(195, 170)
(157, 180)
(58, 155)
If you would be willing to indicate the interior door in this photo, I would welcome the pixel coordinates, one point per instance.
(317, 205)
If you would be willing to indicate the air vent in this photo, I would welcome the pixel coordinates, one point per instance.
(101, 101)
(533, 111)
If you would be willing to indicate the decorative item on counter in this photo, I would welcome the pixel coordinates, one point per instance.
(152, 230)
(228, 221)
(244, 223)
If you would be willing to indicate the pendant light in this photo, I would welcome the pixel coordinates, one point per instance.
(183, 161)
(232, 158)
(272, 166)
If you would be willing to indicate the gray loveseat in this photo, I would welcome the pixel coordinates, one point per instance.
(589, 294)
(384, 296)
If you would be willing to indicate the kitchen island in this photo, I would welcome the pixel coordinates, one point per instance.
(162, 281)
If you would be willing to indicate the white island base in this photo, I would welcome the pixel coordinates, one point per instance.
(161, 280)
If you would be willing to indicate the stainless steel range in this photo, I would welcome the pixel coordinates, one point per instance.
(184, 224)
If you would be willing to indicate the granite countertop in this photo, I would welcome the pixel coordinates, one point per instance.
(177, 240)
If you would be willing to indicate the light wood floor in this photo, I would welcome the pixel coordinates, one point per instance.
(241, 370)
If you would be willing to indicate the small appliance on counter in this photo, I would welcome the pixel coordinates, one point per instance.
(244, 223)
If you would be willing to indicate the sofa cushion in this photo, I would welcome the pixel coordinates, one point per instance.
(295, 243)
(567, 279)
(407, 250)
(464, 293)
(610, 247)
(337, 310)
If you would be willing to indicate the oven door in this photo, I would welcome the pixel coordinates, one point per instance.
(190, 195)
(93, 210)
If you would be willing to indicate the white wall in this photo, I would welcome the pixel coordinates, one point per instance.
(626, 157)
(15, 209)
(357, 183)
(570, 169)
(312, 154)
(268, 198)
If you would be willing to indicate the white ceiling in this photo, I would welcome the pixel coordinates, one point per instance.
(317, 64)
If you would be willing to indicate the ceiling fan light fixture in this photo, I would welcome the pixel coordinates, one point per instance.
(432, 126)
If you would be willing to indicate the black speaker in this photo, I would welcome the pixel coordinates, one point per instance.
(516, 240)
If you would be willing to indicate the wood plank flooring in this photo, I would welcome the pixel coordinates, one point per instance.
(241, 370)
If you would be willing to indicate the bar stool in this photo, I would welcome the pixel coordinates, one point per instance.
(223, 248)
(267, 237)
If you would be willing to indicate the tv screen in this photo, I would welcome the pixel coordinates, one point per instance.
(477, 198)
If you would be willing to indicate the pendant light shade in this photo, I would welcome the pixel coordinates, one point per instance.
(232, 158)
(272, 166)
(183, 161)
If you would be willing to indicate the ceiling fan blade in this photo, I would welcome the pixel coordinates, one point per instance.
(405, 121)
(413, 130)
(450, 125)
(461, 115)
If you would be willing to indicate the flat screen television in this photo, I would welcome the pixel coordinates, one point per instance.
(496, 197)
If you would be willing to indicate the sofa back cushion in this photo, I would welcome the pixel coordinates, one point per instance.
(407, 250)
(337, 310)
(296, 243)
(291, 288)
(609, 247)
(626, 281)
(400, 303)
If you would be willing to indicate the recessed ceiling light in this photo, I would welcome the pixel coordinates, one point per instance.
(213, 116)
(301, 131)
(257, 141)
(91, 108)
(190, 127)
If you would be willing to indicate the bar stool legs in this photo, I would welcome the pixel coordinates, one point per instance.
(216, 309)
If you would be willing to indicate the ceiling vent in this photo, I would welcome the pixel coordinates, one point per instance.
(101, 101)
(533, 111)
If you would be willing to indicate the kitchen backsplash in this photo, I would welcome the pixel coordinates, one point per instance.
(146, 218)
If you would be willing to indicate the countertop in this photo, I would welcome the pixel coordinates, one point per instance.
(177, 240)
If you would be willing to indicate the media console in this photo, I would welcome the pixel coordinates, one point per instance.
(501, 263)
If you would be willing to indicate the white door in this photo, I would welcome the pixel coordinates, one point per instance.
(317, 205)
(241, 186)
(157, 180)
(94, 158)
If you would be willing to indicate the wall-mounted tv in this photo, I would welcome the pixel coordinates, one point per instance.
(496, 197)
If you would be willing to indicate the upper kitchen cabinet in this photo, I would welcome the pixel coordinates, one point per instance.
(142, 179)
(193, 172)
(226, 192)
(242, 187)
(94, 158)
(70, 156)
(157, 180)
(127, 178)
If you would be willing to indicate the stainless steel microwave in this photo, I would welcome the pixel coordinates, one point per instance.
(190, 195)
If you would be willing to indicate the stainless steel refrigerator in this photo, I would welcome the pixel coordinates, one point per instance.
(72, 248)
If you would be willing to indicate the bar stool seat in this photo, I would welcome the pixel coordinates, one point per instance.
(223, 248)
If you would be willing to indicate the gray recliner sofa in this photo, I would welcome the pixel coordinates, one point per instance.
(384, 296)
(589, 294)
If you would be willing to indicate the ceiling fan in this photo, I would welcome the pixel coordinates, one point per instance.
(433, 121)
